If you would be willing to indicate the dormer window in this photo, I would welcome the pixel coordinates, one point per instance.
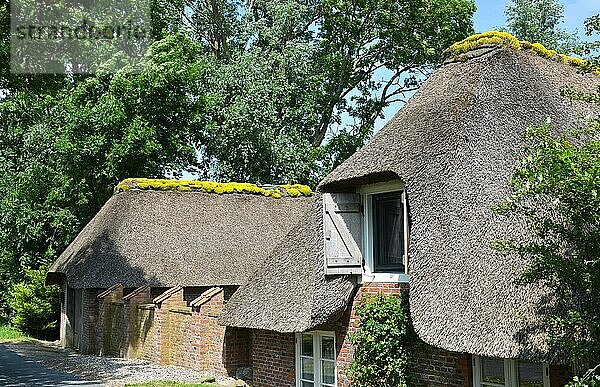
(367, 232)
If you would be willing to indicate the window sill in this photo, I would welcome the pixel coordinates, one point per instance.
(384, 277)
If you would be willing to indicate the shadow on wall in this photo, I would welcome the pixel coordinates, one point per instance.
(533, 338)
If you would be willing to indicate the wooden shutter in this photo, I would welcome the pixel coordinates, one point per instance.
(342, 228)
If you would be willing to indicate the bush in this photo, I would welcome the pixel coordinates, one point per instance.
(590, 379)
(35, 306)
(384, 342)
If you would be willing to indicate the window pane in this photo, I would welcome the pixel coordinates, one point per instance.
(388, 232)
(530, 374)
(308, 369)
(307, 344)
(327, 372)
(307, 384)
(327, 348)
(492, 370)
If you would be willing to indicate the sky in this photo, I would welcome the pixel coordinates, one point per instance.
(490, 13)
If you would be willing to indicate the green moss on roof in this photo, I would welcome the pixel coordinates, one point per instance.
(275, 191)
(504, 39)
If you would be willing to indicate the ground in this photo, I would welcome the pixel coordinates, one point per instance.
(41, 363)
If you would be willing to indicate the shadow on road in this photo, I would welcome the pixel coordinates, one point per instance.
(19, 371)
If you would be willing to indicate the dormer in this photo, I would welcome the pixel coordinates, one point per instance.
(366, 232)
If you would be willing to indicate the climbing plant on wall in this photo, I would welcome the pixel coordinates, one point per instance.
(383, 343)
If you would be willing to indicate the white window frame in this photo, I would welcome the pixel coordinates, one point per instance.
(316, 357)
(367, 192)
(511, 374)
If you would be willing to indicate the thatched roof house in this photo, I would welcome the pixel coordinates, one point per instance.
(167, 238)
(411, 210)
(455, 145)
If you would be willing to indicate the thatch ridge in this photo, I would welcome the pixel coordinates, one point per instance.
(455, 145)
(276, 191)
(289, 292)
(177, 238)
(505, 40)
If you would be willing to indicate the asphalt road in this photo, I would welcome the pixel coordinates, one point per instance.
(19, 371)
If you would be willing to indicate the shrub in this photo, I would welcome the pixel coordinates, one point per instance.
(590, 379)
(383, 343)
(35, 306)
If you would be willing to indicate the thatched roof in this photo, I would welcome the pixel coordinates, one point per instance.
(290, 292)
(177, 238)
(455, 145)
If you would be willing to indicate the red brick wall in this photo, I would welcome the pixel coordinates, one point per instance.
(90, 322)
(174, 333)
(138, 315)
(436, 367)
(273, 359)
(191, 337)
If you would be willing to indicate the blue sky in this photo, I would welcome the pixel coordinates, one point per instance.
(490, 13)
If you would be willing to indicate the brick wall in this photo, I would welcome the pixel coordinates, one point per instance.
(138, 315)
(172, 332)
(273, 359)
(90, 314)
(436, 367)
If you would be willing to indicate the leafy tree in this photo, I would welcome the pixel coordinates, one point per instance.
(539, 21)
(35, 305)
(384, 343)
(62, 154)
(301, 83)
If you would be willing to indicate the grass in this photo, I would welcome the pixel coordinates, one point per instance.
(8, 334)
(167, 383)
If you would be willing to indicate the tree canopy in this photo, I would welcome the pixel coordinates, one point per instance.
(258, 91)
(539, 21)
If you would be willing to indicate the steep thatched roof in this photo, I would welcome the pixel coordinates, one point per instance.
(455, 145)
(177, 238)
(290, 293)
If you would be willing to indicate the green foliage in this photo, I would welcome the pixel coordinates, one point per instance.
(10, 334)
(63, 152)
(262, 92)
(384, 343)
(35, 305)
(556, 188)
(538, 21)
(298, 85)
(590, 379)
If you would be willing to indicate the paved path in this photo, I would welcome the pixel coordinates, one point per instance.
(19, 371)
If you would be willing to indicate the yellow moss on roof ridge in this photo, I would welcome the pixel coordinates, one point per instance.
(275, 191)
(504, 39)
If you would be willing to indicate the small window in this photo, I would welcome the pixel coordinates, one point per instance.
(494, 372)
(388, 232)
(315, 359)
(385, 232)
